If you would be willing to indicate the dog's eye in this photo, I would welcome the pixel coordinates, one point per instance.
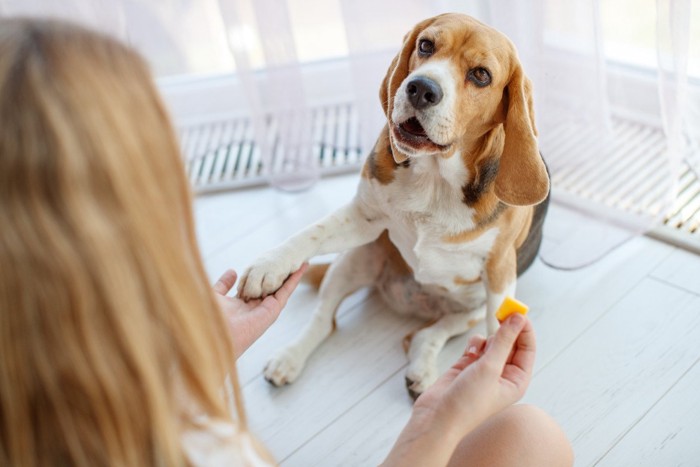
(426, 47)
(479, 76)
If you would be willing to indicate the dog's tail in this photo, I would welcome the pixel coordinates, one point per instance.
(314, 274)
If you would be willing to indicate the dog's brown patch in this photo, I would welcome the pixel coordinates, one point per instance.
(314, 274)
(501, 265)
(485, 218)
(462, 237)
(380, 164)
(483, 164)
(394, 259)
(479, 195)
(484, 175)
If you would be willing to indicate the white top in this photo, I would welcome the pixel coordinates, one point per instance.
(220, 443)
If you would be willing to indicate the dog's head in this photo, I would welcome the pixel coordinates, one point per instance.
(454, 81)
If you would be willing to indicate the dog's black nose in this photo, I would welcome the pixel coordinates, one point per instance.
(423, 92)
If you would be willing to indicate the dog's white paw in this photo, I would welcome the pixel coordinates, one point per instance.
(267, 274)
(419, 377)
(283, 368)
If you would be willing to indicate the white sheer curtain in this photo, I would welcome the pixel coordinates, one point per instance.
(273, 60)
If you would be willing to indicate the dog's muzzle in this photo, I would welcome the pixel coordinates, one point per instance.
(423, 92)
(420, 98)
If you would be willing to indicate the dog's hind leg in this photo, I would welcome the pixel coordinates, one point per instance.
(426, 344)
(350, 272)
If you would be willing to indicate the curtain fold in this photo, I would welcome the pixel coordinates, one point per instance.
(673, 44)
(280, 114)
(375, 32)
(105, 15)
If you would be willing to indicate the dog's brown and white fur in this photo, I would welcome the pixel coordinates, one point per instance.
(450, 205)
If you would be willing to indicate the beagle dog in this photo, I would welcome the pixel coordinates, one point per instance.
(450, 205)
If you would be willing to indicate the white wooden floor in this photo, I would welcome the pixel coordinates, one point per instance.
(619, 346)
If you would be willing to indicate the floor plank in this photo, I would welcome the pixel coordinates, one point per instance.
(576, 239)
(223, 219)
(667, 435)
(563, 304)
(682, 268)
(295, 315)
(363, 435)
(609, 377)
(245, 244)
(363, 353)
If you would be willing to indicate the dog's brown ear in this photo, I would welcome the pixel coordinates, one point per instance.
(398, 70)
(522, 178)
(384, 88)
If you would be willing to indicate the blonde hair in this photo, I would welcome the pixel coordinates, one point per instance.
(106, 314)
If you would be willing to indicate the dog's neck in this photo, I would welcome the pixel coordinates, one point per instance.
(463, 165)
(471, 172)
(486, 145)
(479, 156)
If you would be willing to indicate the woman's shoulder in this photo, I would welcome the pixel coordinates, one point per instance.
(213, 443)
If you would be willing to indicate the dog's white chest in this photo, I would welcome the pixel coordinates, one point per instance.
(424, 207)
(436, 262)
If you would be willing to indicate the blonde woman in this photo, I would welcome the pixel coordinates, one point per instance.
(113, 348)
(112, 344)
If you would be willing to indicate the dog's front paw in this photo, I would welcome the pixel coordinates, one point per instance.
(419, 378)
(267, 274)
(283, 368)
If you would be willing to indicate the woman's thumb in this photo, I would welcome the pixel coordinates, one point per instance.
(505, 338)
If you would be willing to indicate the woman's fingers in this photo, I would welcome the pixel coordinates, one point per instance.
(225, 282)
(282, 295)
(270, 307)
(475, 347)
(473, 351)
(499, 348)
(525, 349)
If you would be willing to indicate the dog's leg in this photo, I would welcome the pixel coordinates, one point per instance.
(351, 271)
(427, 343)
(500, 279)
(350, 226)
(493, 302)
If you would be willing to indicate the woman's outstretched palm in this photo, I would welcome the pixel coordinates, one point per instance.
(249, 320)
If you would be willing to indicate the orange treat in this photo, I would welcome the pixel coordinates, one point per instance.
(510, 306)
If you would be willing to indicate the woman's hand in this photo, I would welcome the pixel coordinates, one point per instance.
(491, 375)
(249, 320)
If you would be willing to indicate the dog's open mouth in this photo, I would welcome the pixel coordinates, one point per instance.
(414, 128)
(411, 133)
